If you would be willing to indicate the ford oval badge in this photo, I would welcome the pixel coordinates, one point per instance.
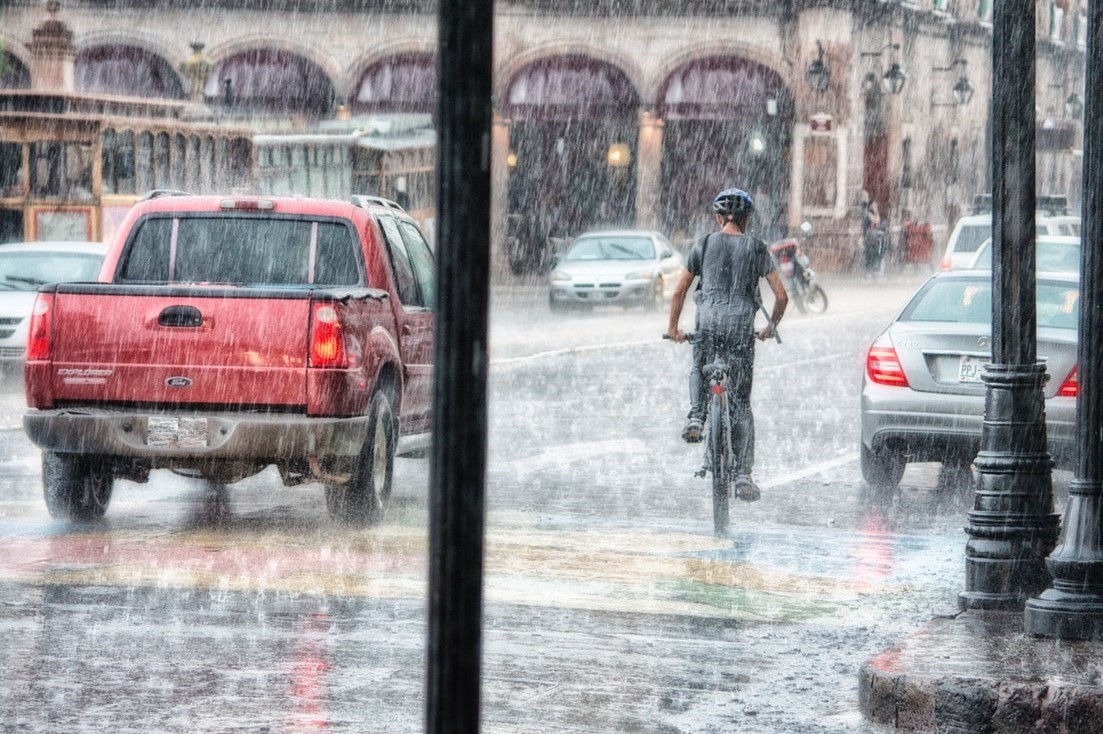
(178, 382)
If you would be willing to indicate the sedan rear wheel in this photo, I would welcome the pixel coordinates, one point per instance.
(882, 469)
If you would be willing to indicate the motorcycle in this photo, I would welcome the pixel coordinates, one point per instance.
(796, 273)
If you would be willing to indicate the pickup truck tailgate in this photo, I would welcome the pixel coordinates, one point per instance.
(180, 345)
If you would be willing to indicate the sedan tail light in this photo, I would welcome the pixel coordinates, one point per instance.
(883, 365)
(41, 326)
(1070, 388)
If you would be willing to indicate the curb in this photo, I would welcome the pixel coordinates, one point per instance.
(979, 672)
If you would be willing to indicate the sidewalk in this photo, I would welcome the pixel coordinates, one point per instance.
(978, 672)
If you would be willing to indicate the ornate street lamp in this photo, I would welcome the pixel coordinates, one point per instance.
(818, 74)
(963, 91)
(1074, 106)
(893, 79)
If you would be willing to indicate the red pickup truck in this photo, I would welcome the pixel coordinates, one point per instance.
(227, 334)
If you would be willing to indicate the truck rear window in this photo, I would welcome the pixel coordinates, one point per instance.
(241, 250)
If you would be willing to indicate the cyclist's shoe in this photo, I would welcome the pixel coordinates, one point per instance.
(745, 489)
(692, 433)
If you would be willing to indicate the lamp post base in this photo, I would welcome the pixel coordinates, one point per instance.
(1065, 616)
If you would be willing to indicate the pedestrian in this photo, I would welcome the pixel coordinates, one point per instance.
(729, 264)
(872, 236)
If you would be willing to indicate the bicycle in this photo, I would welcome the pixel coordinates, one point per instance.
(719, 457)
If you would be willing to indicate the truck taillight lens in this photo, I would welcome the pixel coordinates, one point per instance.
(883, 366)
(1070, 388)
(38, 338)
(327, 338)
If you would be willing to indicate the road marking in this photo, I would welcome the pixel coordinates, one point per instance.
(811, 470)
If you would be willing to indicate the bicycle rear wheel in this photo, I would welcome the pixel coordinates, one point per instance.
(720, 461)
(815, 300)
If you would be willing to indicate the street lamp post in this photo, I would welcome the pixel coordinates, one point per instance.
(1073, 606)
(1012, 526)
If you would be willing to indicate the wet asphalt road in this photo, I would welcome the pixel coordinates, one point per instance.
(610, 607)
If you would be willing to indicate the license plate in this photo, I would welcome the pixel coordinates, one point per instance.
(176, 432)
(969, 369)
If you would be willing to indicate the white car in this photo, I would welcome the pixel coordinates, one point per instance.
(974, 230)
(24, 267)
(1053, 254)
(620, 267)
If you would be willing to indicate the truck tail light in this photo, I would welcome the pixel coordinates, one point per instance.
(1070, 388)
(38, 338)
(883, 365)
(327, 338)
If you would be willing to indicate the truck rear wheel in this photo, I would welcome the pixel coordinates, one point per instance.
(76, 487)
(363, 499)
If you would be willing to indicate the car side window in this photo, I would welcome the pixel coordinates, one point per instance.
(421, 258)
(403, 268)
(336, 262)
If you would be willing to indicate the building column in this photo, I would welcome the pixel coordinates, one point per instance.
(499, 195)
(53, 54)
(649, 161)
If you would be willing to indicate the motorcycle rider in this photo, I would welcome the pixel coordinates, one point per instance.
(729, 263)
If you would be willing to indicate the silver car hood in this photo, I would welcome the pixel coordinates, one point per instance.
(603, 268)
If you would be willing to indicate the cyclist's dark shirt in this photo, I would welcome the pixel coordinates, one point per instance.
(731, 268)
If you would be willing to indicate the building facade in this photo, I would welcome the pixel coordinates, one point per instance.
(612, 113)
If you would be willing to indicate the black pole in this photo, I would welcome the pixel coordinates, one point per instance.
(458, 467)
(1073, 607)
(1012, 526)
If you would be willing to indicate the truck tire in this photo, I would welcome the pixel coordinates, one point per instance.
(76, 487)
(363, 499)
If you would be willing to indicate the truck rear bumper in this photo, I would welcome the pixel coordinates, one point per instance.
(263, 437)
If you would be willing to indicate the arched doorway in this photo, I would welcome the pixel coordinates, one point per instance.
(127, 71)
(13, 73)
(401, 83)
(728, 123)
(270, 82)
(572, 154)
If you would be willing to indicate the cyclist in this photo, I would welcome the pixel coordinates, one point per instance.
(729, 263)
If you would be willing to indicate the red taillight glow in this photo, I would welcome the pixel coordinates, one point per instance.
(255, 205)
(327, 338)
(38, 338)
(883, 366)
(944, 264)
(1070, 388)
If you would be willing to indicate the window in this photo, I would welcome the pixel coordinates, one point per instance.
(403, 267)
(241, 250)
(11, 169)
(61, 170)
(422, 259)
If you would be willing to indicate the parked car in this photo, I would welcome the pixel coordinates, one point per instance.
(974, 230)
(1052, 253)
(24, 266)
(922, 395)
(621, 267)
(232, 333)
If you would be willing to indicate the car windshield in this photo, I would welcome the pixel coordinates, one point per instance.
(971, 237)
(961, 301)
(611, 248)
(26, 271)
(1054, 257)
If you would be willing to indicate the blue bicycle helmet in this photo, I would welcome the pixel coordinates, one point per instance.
(733, 203)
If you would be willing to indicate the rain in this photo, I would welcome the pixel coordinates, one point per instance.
(220, 497)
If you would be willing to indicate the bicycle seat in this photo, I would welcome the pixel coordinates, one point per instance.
(715, 370)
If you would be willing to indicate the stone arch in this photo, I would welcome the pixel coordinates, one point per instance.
(508, 72)
(126, 70)
(673, 62)
(402, 82)
(350, 78)
(254, 41)
(728, 122)
(573, 138)
(18, 71)
(270, 80)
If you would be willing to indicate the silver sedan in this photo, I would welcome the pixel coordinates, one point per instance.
(621, 267)
(922, 394)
